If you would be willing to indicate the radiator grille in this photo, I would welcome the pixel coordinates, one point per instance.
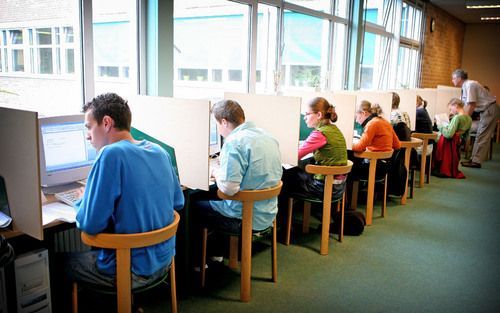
(69, 241)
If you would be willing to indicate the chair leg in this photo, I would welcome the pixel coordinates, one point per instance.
(274, 252)
(384, 201)
(173, 286)
(233, 252)
(412, 182)
(289, 221)
(306, 216)
(203, 255)
(354, 197)
(428, 169)
(341, 232)
(75, 297)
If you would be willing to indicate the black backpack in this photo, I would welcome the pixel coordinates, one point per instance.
(354, 223)
(396, 176)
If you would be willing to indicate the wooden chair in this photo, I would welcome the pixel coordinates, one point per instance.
(247, 197)
(373, 157)
(123, 243)
(329, 172)
(423, 163)
(408, 145)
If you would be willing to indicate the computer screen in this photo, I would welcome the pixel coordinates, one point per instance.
(66, 155)
(215, 141)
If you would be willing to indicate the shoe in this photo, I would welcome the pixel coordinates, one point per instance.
(471, 164)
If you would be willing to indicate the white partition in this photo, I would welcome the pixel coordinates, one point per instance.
(429, 95)
(383, 98)
(182, 124)
(444, 95)
(278, 115)
(19, 166)
(345, 107)
(408, 103)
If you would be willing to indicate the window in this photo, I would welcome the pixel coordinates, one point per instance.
(37, 52)
(115, 46)
(267, 41)
(318, 5)
(210, 36)
(305, 53)
(375, 63)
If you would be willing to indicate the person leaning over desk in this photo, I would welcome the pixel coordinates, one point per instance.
(478, 99)
(249, 160)
(327, 143)
(131, 188)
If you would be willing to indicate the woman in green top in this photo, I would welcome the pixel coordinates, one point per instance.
(447, 154)
(461, 121)
(327, 144)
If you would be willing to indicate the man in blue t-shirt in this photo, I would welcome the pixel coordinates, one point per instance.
(132, 188)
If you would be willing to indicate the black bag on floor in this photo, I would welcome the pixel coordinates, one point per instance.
(354, 223)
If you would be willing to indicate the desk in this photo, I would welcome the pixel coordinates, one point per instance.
(408, 145)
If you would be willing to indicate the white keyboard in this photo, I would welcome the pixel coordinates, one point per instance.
(69, 196)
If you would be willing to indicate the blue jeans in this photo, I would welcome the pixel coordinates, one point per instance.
(81, 267)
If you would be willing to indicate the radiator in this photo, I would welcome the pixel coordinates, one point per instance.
(69, 241)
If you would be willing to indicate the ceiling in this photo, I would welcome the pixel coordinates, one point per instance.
(457, 8)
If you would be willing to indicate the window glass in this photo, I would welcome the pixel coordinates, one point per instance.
(341, 8)
(267, 40)
(210, 37)
(305, 51)
(375, 63)
(407, 67)
(115, 46)
(339, 56)
(318, 5)
(381, 12)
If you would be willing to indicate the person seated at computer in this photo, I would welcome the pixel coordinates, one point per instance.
(327, 143)
(378, 135)
(423, 123)
(131, 188)
(400, 120)
(249, 159)
(447, 152)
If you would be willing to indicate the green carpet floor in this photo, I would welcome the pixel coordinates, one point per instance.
(438, 253)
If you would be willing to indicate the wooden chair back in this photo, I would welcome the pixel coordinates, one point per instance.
(123, 243)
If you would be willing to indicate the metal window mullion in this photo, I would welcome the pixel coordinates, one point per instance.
(87, 50)
(252, 55)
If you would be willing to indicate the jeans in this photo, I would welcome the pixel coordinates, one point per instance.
(81, 267)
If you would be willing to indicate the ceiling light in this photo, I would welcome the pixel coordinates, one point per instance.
(490, 18)
(487, 6)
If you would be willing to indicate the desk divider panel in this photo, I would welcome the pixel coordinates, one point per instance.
(444, 95)
(430, 95)
(182, 124)
(19, 166)
(345, 107)
(408, 103)
(383, 98)
(278, 115)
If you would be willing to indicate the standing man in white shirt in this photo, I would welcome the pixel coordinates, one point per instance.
(478, 99)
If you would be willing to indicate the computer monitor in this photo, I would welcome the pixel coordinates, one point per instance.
(65, 154)
(215, 140)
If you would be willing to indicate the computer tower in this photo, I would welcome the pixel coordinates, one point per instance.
(33, 282)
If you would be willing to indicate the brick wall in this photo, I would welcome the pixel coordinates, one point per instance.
(442, 51)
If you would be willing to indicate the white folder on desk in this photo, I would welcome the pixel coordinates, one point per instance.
(58, 211)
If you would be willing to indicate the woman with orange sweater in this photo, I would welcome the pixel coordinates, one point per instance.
(378, 134)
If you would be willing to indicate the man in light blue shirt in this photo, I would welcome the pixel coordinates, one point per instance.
(249, 160)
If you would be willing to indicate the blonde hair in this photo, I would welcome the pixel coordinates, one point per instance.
(366, 106)
(457, 102)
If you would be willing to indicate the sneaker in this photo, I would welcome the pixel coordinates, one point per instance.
(471, 164)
